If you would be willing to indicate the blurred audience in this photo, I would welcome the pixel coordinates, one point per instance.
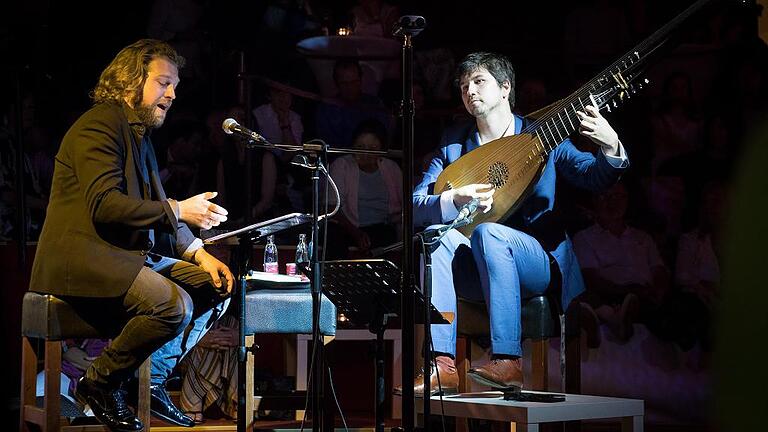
(336, 120)
(370, 188)
(280, 124)
(275, 120)
(621, 265)
(697, 267)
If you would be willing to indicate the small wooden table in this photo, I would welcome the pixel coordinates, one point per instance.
(528, 415)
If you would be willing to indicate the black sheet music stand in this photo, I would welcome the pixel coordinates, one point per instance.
(244, 238)
(369, 292)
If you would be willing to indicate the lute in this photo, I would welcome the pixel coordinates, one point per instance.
(513, 164)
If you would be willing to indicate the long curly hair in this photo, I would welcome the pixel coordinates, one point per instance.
(126, 74)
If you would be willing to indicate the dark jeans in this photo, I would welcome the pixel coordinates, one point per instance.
(165, 312)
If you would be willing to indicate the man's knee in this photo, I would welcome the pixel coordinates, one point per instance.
(451, 240)
(177, 310)
(488, 235)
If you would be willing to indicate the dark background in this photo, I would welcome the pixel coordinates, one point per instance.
(55, 51)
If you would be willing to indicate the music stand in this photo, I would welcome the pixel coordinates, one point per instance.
(244, 238)
(369, 291)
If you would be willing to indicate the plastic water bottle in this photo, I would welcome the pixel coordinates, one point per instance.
(270, 256)
(302, 254)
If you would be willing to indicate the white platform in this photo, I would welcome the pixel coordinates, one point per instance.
(528, 415)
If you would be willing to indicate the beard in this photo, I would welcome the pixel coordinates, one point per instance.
(146, 114)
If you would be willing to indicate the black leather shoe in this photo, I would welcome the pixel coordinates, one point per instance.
(108, 405)
(162, 407)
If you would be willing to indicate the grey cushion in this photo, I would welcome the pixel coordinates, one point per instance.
(48, 317)
(286, 311)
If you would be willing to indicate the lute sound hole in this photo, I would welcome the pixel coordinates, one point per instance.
(498, 174)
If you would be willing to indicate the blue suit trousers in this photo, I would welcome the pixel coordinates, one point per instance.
(498, 265)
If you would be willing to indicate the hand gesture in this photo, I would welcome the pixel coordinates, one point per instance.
(595, 127)
(200, 212)
(484, 192)
(216, 269)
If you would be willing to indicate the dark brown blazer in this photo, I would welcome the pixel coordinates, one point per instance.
(97, 229)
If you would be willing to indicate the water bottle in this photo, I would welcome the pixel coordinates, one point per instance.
(302, 254)
(270, 256)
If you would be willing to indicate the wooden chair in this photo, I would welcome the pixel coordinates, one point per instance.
(540, 320)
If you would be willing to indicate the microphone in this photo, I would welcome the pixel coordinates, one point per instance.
(410, 25)
(231, 126)
(465, 213)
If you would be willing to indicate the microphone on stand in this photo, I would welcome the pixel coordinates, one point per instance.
(466, 213)
(409, 24)
(231, 126)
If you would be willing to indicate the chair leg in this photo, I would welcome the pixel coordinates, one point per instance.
(52, 404)
(28, 381)
(539, 364)
(463, 363)
(250, 388)
(143, 411)
(572, 358)
(572, 361)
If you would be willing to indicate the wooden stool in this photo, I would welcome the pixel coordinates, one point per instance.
(279, 308)
(49, 318)
(540, 320)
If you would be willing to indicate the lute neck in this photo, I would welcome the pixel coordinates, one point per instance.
(560, 121)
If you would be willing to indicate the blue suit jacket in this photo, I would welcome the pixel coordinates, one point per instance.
(535, 215)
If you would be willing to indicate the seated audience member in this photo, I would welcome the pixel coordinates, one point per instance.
(210, 372)
(276, 121)
(280, 124)
(336, 121)
(697, 269)
(77, 355)
(688, 314)
(622, 268)
(371, 193)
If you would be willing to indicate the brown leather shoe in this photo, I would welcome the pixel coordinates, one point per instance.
(449, 379)
(500, 374)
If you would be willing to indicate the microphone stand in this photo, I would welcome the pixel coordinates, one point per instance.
(244, 252)
(317, 152)
(408, 26)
